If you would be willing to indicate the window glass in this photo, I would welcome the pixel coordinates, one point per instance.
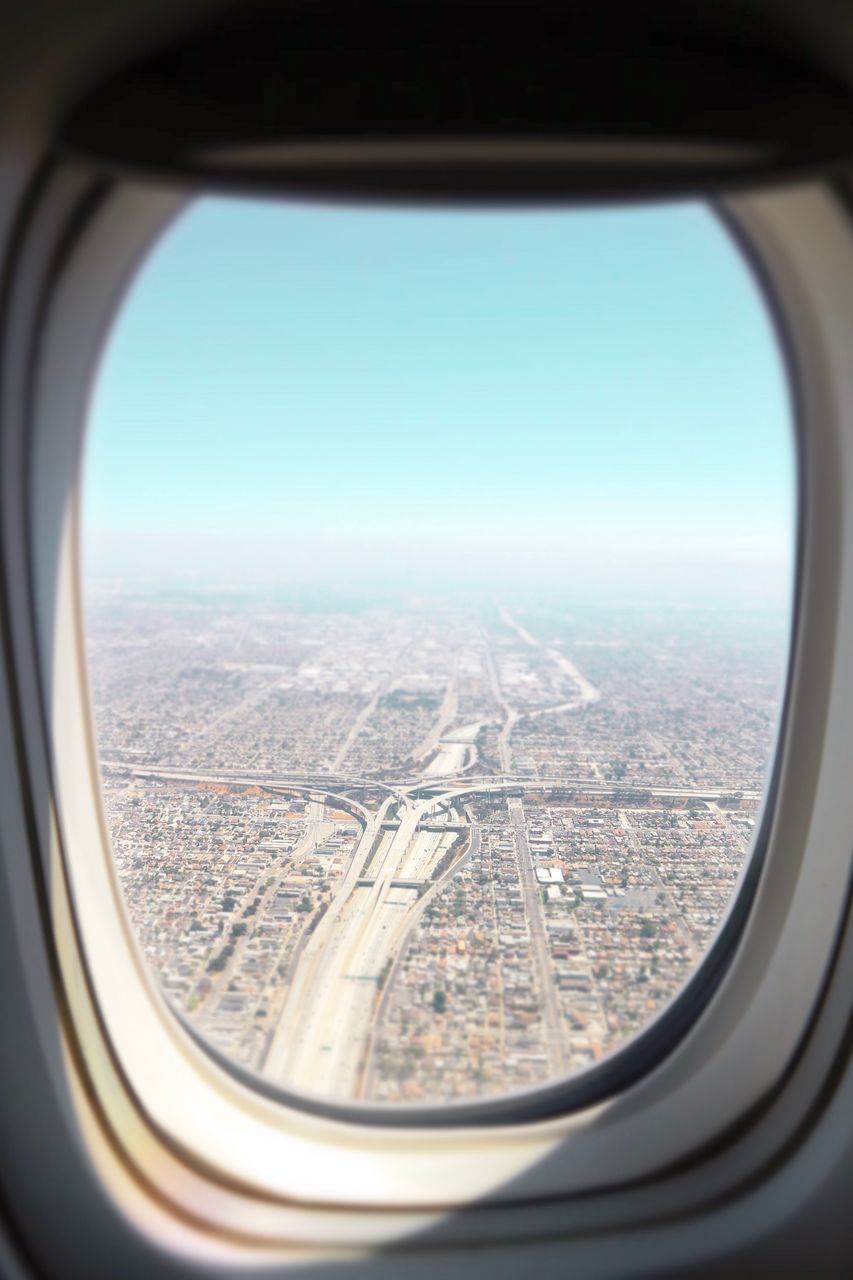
(438, 577)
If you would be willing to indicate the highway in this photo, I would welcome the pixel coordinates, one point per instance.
(556, 1038)
(344, 970)
(587, 691)
(485, 784)
(320, 1043)
(425, 900)
(324, 1035)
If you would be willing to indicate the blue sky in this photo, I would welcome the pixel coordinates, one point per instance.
(587, 398)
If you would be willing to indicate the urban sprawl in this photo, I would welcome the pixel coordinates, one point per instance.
(406, 854)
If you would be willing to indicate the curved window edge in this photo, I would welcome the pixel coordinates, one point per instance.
(52, 563)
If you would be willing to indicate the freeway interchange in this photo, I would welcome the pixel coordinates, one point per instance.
(409, 848)
(416, 833)
(404, 859)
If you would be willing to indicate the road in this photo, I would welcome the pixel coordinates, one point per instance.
(510, 714)
(464, 785)
(320, 1043)
(587, 691)
(556, 1036)
(364, 1085)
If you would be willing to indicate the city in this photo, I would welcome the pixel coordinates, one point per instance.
(404, 852)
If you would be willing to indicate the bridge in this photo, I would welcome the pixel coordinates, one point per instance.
(440, 791)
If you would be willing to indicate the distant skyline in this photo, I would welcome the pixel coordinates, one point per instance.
(585, 402)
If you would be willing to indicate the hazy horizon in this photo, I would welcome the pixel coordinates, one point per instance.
(588, 404)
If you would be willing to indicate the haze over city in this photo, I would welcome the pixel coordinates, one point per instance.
(438, 572)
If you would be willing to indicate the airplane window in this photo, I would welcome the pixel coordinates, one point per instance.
(438, 582)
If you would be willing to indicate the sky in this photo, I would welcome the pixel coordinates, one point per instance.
(586, 402)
